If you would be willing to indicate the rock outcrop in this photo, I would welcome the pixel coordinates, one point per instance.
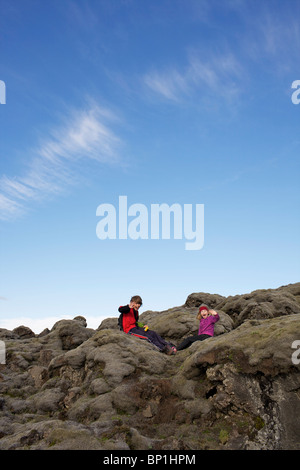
(72, 387)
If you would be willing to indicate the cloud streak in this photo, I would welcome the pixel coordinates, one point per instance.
(270, 44)
(55, 163)
(220, 75)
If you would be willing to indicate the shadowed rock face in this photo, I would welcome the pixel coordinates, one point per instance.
(72, 387)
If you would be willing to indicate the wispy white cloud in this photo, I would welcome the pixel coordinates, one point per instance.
(220, 75)
(278, 40)
(168, 83)
(55, 162)
(271, 42)
(274, 37)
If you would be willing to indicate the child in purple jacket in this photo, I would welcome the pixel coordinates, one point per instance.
(207, 318)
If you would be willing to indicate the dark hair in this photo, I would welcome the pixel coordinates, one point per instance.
(137, 299)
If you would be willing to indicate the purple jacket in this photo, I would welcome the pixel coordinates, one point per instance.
(207, 325)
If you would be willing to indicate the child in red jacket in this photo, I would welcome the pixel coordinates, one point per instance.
(128, 322)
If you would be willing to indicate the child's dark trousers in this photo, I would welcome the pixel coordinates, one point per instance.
(191, 339)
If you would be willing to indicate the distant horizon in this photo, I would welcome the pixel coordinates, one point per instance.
(93, 322)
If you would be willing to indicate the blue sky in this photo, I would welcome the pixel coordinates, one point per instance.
(164, 101)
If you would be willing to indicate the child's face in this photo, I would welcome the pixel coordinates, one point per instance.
(135, 305)
(204, 313)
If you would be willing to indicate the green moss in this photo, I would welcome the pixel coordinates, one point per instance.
(59, 435)
(223, 436)
(259, 423)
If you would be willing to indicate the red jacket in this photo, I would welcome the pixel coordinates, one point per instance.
(128, 318)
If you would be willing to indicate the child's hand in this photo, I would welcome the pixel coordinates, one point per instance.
(212, 312)
(134, 305)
